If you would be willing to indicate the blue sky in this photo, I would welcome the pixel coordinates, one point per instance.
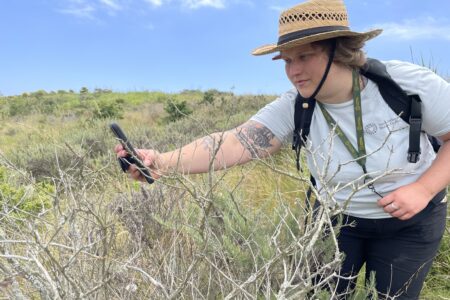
(171, 45)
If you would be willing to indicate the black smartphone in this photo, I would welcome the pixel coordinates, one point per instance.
(132, 157)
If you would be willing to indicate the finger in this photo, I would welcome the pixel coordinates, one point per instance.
(134, 172)
(386, 200)
(152, 169)
(137, 177)
(137, 174)
(118, 148)
(120, 151)
(390, 208)
(399, 213)
(406, 216)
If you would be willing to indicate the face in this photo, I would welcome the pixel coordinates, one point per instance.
(305, 66)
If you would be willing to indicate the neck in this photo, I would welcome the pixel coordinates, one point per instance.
(337, 87)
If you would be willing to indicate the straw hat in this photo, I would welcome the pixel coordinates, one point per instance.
(312, 21)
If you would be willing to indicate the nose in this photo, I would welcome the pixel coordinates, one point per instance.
(294, 68)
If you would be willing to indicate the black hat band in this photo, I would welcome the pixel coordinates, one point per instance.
(308, 32)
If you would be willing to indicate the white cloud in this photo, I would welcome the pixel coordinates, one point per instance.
(193, 4)
(80, 9)
(199, 3)
(277, 8)
(111, 4)
(90, 9)
(155, 2)
(415, 29)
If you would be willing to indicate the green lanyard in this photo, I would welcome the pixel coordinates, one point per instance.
(360, 154)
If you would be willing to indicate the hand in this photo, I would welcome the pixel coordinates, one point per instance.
(150, 158)
(406, 201)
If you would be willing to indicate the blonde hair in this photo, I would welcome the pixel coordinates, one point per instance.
(349, 50)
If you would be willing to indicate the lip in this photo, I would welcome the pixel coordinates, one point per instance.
(301, 82)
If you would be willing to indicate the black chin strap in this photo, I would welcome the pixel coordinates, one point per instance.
(309, 103)
(325, 75)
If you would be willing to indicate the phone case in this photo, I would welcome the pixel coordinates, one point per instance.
(132, 157)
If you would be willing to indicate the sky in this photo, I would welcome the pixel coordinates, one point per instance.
(173, 45)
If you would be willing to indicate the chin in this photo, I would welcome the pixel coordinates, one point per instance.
(303, 93)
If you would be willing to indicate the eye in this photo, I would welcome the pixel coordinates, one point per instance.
(304, 57)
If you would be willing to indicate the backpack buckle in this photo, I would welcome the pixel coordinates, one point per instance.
(413, 156)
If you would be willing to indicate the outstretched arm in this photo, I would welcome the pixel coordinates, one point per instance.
(225, 149)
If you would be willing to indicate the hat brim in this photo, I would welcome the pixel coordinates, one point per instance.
(267, 49)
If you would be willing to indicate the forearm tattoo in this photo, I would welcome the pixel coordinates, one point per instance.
(255, 137)
(208, 143)
(213, 142)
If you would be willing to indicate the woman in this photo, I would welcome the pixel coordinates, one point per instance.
(400, 222)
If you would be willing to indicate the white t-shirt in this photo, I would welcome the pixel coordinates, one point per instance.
(386, 138)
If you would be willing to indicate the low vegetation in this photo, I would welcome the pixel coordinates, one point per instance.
(74, 226)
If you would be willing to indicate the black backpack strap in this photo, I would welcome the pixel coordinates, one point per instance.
(391, 92)
(408, 107)
(415, 127)
(302, 120)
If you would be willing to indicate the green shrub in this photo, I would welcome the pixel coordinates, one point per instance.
(22, 200)
(39, 93)
(84, 90)
(48, 105)
(208, 97)
(19, 106)
(107, 109)
(162, 98)
(176, 110)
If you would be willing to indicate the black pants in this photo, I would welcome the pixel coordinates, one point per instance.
(399, 252)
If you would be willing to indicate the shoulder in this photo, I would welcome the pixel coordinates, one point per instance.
(278, 115)
(398, 66)
(283, 102)
(404, 71)
(432, 89)
(413, 78)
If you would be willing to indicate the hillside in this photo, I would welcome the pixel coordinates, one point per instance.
(74, 226)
